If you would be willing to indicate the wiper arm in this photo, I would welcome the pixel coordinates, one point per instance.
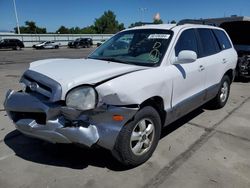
(113, 59)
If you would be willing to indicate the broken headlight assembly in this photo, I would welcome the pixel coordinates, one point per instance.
(82, 98)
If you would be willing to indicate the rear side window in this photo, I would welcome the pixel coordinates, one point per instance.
(222, 39)
(208, 41)
(187, 41)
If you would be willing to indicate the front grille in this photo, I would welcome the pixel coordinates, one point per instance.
(38, 84)
(39, 117)
(41, 88)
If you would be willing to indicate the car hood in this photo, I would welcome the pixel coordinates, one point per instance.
(70, 73)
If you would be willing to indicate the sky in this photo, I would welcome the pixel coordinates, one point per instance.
(71, 13)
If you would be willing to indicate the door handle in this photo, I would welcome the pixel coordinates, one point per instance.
(201, 68)
(224, 60)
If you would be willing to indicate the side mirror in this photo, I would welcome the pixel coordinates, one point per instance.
(186, 56)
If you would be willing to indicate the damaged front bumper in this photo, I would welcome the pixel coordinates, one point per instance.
(243, 66)
(57, 123)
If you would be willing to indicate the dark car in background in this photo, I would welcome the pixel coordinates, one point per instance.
(15, 44)
(239, 32)
(81, 43)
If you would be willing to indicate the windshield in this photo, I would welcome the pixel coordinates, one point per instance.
(144, 47)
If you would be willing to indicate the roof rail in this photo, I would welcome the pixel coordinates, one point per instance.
(193, 21)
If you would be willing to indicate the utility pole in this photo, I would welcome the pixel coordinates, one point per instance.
(17, 23)
(142, 11)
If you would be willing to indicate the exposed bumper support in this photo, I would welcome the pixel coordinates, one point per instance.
(98, 127)
(55, 132)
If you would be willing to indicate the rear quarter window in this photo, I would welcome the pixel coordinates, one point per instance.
(222, 39)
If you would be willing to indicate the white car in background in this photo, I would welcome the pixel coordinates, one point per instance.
(47, 45)
(121, 97)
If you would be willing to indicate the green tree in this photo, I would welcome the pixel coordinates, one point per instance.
(88, 30)
(136, 24)
(75, 30)
(158, 21)
(107, 23)
(63, 30)
(173, 22)
(30, 27)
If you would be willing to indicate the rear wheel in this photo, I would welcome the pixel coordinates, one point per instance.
(222, 96)
(17, 48)
(138, 138)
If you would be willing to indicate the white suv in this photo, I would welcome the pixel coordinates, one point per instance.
(127, 90)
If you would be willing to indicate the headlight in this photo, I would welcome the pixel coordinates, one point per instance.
(82, 98)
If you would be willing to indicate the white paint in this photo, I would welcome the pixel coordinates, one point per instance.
(173, 83)
(158, 36)
(74, 72)
(7, 156)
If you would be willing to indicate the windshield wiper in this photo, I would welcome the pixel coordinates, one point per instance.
(113, 59)
(130, 62)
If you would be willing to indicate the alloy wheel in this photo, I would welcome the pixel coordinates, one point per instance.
(142, 136)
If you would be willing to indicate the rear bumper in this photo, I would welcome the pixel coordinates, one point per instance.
(59, 124)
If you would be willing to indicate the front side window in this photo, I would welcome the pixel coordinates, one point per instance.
(187, 41)
(144, 47)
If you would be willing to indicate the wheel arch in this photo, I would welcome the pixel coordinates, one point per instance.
(230, 73)
(157, 103)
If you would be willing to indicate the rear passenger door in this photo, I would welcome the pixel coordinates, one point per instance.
(189, 83)
(213, 60)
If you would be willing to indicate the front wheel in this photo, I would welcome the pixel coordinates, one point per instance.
(138, 139)
(222, 96)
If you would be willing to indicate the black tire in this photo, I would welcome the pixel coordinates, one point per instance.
(219, 101)
(123, 150)
(56, 47)
(237, 74)
(17, 48)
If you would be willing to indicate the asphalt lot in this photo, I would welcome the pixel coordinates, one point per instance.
(206, 148)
